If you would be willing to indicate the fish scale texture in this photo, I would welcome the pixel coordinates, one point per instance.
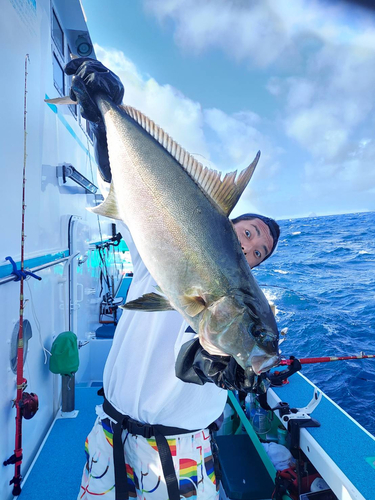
(343, 440)
(57, 473)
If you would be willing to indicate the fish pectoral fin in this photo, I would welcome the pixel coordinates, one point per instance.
(193, 304)
(149, 302)
(109, 207)
(60, 100)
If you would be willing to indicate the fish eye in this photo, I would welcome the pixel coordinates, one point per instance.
(257, 332)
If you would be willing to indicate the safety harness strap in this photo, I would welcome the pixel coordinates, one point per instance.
(167, 465)
(124, 422)
(121, 478)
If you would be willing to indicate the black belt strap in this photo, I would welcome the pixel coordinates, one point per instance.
(167, 465)
(124, 422)
(121, 477)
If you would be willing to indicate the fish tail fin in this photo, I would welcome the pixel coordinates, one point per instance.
(60, 100)
(233, 185)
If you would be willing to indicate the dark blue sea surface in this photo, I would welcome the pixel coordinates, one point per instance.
(322, 281)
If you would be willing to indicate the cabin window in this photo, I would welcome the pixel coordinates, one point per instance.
(86, 127)
(89, 131)
(58, 51)
(72, 107)
(57, 34)
(58, 75)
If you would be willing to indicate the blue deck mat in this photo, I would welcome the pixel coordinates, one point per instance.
(57, 472)
(348, 445)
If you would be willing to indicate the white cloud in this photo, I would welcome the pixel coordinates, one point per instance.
(318, 130)
(222, 141)
(328, 112)
(241, 29)
(353, 173)
(238, 140)
(333, 89)
(236, 137)
(260, 31)
(176, 114)
(324, 91)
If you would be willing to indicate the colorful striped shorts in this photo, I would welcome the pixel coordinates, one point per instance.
(191, 455)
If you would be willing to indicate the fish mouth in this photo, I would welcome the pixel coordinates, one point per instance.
(262, 363)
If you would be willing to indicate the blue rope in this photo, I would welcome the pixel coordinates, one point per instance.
(21, 274)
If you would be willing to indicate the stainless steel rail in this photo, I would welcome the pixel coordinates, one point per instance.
(12, 277)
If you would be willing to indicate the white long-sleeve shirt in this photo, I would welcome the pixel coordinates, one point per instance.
(139, 375)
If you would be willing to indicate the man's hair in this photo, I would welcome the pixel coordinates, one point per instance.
(270, 223)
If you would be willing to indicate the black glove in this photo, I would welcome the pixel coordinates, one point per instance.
(92, 78)
(195, 365)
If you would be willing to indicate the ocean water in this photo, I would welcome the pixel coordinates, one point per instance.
(322, 281)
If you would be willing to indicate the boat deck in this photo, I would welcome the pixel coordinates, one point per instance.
(57, 470)
(341, 450)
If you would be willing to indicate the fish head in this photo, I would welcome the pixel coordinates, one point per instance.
(230, 326)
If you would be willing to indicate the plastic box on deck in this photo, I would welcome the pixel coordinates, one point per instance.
(244, 476)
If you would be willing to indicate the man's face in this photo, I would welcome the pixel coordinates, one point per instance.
(255, 238)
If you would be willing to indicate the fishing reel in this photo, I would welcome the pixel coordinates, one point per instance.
(29, 405)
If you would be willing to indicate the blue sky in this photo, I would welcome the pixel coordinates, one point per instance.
(292, 78)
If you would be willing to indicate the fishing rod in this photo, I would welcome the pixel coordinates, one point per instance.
(325, 359)
(23, 399)
(21, 381)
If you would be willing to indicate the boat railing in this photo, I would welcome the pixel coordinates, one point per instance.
(12, 277)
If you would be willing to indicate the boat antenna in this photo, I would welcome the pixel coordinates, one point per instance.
(16, 459)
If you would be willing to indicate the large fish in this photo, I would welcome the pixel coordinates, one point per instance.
(177, 212)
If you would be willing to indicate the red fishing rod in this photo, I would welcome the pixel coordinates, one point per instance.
(326, 359)
(21, 381)
(16, 459)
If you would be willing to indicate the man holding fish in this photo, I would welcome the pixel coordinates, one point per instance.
(151, 439)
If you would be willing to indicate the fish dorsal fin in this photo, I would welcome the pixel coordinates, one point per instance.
(109, 207)
(224, 193)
